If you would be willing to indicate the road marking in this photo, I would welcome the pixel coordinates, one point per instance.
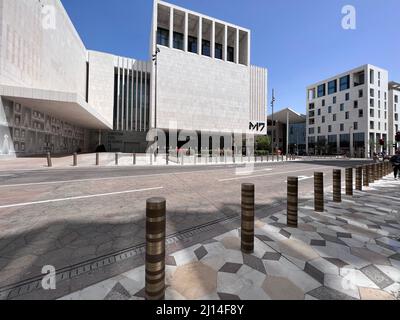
(270, 174)
(78, 198)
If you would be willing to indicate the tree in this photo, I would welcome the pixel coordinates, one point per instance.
(263, 143)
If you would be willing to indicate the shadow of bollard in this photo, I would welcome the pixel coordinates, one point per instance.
(155, 248)
(134, 158)
(248, 208)
(75, 159)
(319, 192)
(292, 201)
(116, 159)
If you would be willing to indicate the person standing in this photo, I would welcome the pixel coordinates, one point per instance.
(395, 161)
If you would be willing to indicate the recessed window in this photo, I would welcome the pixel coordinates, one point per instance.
(341, 127)
(355, 104)
(218, 51)
(206, 48)
(329, 109)
(319, 112)
(329, 128)
(371, 103)
(347, 115)
(163, 37)
(360, 93)
(361, 113)
(396, 99)
(371, 125)
(323, 102)
(334, 117)
(178, 40)
(342, 107)
(231, 54)
(347, 97)
(371, 113)
(323, 119)
(345, 83)
(192, 44)
(311, 106)
(355, 125)
(332, 87)
(334, 100)
(321, 90)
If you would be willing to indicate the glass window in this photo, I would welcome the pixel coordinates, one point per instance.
(178, 40)
(218, 51)
(321, 90)
(334, 117)
(231, 54)
(342, 107)
(329, 109)
(311, 106)
(396, 99)
(355, 104)
(319, 112)
(345, 83)
(329, 128)
(323, 119)
(371, 125)
(206, 48)
(334, 100)
(323, 102)
(341, 127)
(332, 87)
(347, 115)
(355, 125)
(192, 44)
(360, 93)
(347, 96)
(360, 113)
(163, 37)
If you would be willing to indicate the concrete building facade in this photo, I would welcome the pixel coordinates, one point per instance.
(58, 96)
(349, 113)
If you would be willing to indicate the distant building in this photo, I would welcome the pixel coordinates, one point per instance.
(352, 113)
(288, 131)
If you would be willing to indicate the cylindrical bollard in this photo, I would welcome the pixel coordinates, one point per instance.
(319, 191)
(359, 178)
(376, 172)
(366, 176)
(337, 186)
(49, 162)
(292, 201)
(381, 171)
(134, 159)
(97, 159)
(248, 208)
(155, 248)
(349, 181)
(116, 159)
(75, 159)
(167, 159)
(371, 173)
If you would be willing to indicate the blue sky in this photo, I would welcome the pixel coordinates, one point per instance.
(299, 41)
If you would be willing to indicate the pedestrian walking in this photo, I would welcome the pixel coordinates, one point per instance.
(395, 161)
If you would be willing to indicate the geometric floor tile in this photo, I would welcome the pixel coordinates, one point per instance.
(324, 293)
(337, 262)
(118, 293)
(200, 253)
(275, 256)
(230, 267)
(254, 262)
(377, 276)
(228, 297)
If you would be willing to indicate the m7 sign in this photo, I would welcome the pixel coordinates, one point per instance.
(258, 127)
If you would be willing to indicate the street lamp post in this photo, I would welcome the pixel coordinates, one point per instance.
(272, 125)
(155, 60)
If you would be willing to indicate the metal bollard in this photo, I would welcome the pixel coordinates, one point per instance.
(319, 191)
(337, 186)
(292, 201)
(97, 159)
(155, 248)
(371, 173)
(75, 159)
(359, 174)
(49, 162)
(366, 176)
(134, 159)
(116, 159)
(248, 208)
(349, 181)
(167, 159)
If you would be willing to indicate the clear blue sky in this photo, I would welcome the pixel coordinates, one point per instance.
(299, 41)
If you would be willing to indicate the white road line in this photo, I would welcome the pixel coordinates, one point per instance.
(107, 178)
(78, 198)
(270, 174)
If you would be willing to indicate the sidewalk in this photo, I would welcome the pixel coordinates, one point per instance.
(351, 251)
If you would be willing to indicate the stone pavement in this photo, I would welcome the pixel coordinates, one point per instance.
(351, 251)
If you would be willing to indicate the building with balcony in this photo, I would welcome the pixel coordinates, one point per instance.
(350, 113)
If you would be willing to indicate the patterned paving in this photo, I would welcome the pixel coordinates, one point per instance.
(350, 251)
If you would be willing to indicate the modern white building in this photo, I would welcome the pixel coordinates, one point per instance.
(394, 121)
(58, 96)
(350, 113)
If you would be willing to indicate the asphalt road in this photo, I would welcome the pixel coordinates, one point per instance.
(62, 217)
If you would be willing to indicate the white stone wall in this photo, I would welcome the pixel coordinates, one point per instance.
(101, 83)
(34, 54)
(200, 93)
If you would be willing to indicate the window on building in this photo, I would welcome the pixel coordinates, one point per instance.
(396, 117)
(178, 40)
(341, 127)
(385, 115)
(311, 131)
(311, 114)
(355, 125)
(311, 122)
(319, 112)
(360, 113)
(372, 93)
(329, 109)
(323, 102)
(218, 51)
(334, 117)
(311, 94)
(311, 106)
(372, 103)
(347, 97)
(396, 99)
(329, 128)
(360, 93)
(163, 37)
(321, 90)
(371, 113)
(347, 115)
(342, 107)
(319, 130)
(332, 87)
(355, 104)
(231, 54)
(334, 100)
(323, 119)
(379, 114)
(371, 76)
(206, 48)
(371, 125)
(192, 44)
(345, 83)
